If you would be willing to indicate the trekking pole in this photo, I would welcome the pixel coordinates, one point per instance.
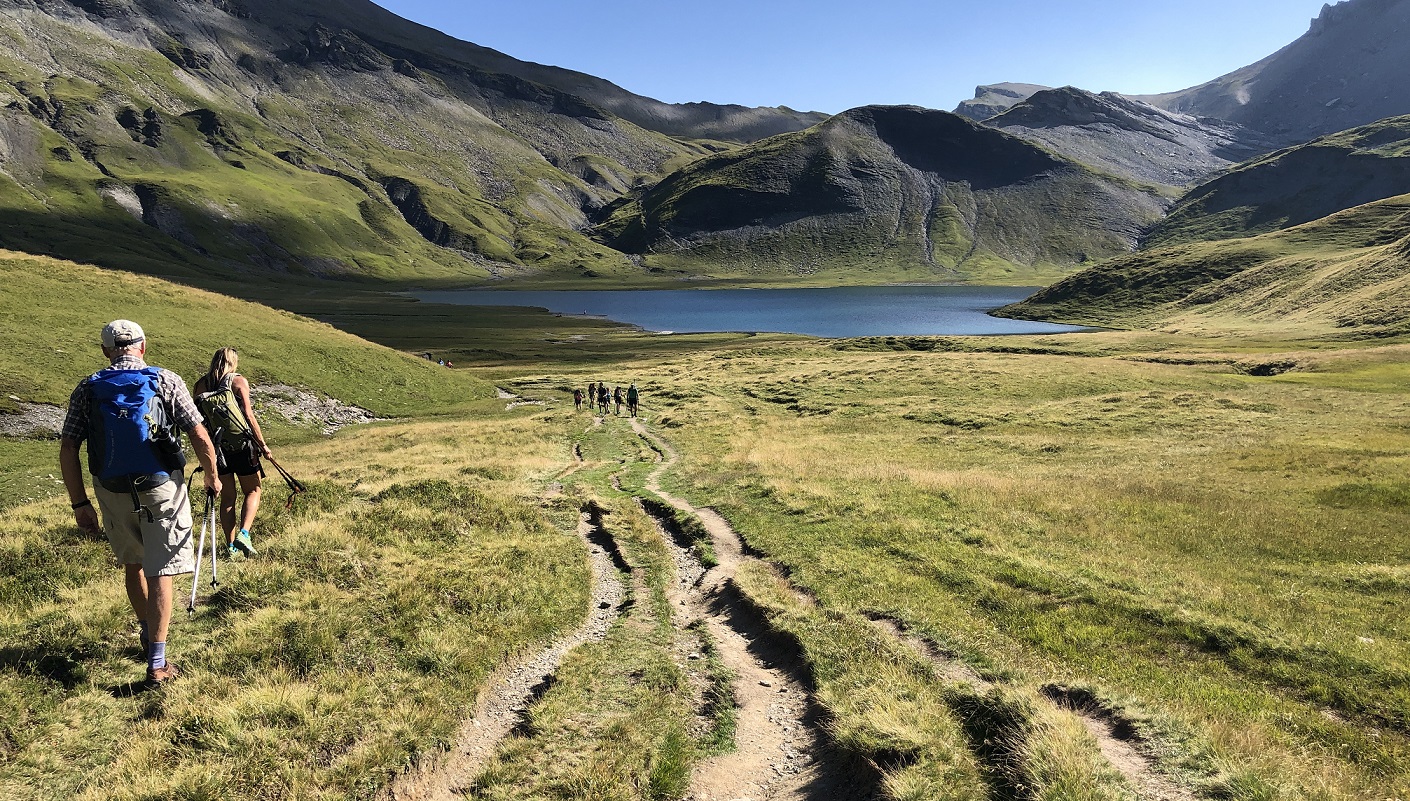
(206, 517)
(210, 514)
(295, 486)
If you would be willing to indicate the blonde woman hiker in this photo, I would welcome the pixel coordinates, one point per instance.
(223, 397)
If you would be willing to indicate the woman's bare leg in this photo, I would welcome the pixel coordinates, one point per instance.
(250, 486)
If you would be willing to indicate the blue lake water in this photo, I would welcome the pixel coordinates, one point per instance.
(826, 312)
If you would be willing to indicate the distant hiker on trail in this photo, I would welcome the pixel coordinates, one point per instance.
(223, 396)
(131, 416)
(619, 399)
(603, 397)
(577, 400)
(633, 399)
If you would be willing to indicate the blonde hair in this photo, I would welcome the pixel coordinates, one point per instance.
(223, 363)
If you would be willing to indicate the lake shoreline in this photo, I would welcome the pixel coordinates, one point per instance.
(825, 312)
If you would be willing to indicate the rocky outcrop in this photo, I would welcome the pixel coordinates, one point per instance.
(1348, 70)
(1130, 138)
(406, 196)
(145, 127)
(994, 99)
(340, 48)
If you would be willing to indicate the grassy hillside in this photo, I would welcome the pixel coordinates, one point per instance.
(1345, 276)
(205, 141)
(1294, 186)
(55, 309)
(883, 194)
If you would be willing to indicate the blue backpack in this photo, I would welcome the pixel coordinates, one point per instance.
(131, 442)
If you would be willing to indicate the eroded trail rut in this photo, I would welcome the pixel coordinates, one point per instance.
(788, 721)
(782, 752)
(1116, 738)
(512, 689)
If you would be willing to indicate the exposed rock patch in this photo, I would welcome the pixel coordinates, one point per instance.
(36, 420)
(304, 408)
(1131, 138)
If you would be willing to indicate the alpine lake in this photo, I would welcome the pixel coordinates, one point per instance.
(834, 312)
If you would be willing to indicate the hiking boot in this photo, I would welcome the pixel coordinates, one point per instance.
(242, 541)
(162, 674)
(231, 551)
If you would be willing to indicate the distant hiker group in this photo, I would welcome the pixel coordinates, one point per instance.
(600, 397)
(132, 416)
(442, 362)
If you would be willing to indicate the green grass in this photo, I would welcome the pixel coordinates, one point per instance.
(1294, 185)
(1218, 551)
(56, 309)
(350, 648)
(1341, 278)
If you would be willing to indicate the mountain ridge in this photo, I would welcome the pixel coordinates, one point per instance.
(1130, 138)
(1347, 70)
(929, 191)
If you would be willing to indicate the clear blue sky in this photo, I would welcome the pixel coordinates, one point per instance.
(831, 55)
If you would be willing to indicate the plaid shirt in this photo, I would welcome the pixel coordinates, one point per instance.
(171, 390)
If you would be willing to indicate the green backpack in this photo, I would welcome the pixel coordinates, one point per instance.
(225, 420)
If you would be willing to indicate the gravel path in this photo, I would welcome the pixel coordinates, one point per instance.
(501, 707)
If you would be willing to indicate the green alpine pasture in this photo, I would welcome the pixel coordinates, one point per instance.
(1203, 535)
(1216, 556)
(1341, 278)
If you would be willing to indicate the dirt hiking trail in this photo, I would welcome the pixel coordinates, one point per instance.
(1116, 738)
(510, 690)
(781, 749)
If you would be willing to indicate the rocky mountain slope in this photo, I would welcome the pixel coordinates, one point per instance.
(1296, 185)
(1128, 137)
(1343, 275)
(897, 192)
(1349, 69)
(191, 137)
(994, 99)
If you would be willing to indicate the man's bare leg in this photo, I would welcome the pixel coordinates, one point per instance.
(159, 596)
(137, 591)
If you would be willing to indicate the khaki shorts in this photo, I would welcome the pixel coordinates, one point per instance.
(161, 545)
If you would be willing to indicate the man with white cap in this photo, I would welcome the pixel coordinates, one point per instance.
(131, 414)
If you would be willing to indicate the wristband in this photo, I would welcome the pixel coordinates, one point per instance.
(81, 504)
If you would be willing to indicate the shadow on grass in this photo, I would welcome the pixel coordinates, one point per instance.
(55, 662)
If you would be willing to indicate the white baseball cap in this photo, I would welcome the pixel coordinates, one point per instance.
(122, 334)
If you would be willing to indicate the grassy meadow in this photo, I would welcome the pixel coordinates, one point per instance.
(1218, 557)
(354, 643)
(1202, 537)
